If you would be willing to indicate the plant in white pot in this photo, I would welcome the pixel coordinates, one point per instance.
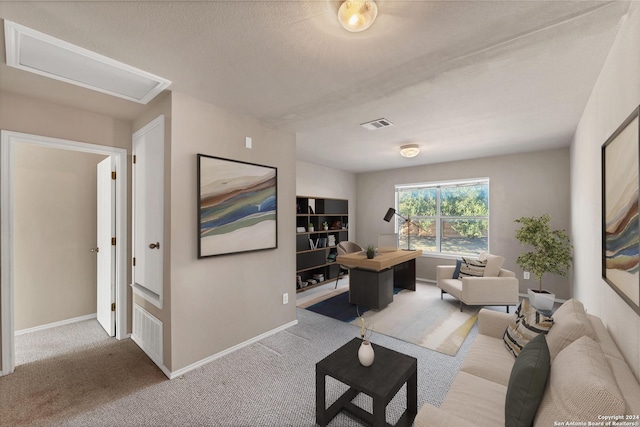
(551, 254)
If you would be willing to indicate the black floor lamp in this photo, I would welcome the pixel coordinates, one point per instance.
(390, 213)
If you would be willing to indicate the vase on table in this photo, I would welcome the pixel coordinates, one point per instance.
(365, 353)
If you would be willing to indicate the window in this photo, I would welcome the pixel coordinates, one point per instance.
(446, 217)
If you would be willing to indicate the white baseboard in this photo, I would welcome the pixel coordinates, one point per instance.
(55, 324)
(182, 371)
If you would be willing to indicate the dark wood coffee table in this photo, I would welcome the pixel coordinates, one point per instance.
(381, 381)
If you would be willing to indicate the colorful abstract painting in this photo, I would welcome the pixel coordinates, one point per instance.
(237, 206)
(621, 229)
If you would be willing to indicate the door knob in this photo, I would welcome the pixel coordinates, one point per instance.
(155, 245)
(95, 249)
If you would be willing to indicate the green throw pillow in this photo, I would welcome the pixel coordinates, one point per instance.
(526, 383)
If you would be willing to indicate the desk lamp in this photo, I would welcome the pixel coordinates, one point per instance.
(390, 213)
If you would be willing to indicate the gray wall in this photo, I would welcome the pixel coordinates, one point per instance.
(223, 301)
(54, 229)
(520, 185)
(614, 97)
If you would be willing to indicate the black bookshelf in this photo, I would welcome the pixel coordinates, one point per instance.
(321, 223)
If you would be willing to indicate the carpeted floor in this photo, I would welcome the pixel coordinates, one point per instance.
(64, 371)
(419, 317)
(104, 382)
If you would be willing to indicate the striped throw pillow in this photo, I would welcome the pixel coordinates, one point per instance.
(526, 325)
(472, 268)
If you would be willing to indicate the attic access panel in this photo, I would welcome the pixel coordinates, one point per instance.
(39, 53)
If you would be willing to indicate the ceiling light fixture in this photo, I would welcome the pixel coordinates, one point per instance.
(357, 15)
(409, 150)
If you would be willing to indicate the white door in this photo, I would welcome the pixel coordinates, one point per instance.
(148, 208)
(105, 250)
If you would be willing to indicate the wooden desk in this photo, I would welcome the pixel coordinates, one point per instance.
(371, 281)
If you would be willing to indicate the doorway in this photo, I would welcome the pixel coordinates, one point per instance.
(11, 141)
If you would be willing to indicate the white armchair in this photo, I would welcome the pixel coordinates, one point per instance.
(500, 290)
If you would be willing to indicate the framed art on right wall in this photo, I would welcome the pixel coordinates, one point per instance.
(620, 203)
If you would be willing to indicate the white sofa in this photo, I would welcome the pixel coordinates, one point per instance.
(588, 378)
(499, 290)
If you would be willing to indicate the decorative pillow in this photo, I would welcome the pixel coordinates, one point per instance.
(581, 386)
(571, 323)
(526, 325)
(456, 272)
(526, 383)
(494, 264)
(472, 267)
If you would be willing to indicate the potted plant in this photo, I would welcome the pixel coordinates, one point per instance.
(551, 254)
(371, 252)
(311, 228)
(325, 225)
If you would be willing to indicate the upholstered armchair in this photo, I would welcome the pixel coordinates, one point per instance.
(497, 286)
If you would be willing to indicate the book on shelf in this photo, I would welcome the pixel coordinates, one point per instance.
(320, 242)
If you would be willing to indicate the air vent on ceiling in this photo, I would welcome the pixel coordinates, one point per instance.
(42, 54)
(377, 124)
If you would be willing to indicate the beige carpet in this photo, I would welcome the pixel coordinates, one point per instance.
(421, 318)
(43, 392)
(95, 381)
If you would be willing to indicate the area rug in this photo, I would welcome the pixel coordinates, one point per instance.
(419, 317)
(338, 306)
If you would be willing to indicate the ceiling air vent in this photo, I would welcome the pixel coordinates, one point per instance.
(39, 53)
(377, 124)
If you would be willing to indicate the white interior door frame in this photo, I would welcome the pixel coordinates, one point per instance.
(8, 141)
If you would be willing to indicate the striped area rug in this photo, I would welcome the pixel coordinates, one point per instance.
(419, 317)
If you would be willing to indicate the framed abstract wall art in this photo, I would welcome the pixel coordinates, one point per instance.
(620, 227)
(237, 206)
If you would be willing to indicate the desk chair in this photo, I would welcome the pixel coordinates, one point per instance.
(344, 248)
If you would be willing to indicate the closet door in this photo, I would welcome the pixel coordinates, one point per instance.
(148, 211)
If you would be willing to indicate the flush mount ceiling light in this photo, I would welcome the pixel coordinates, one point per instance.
(39, 53)
(409, 150)
(357, 15)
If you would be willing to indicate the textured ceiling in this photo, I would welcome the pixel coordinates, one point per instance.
(462, 79)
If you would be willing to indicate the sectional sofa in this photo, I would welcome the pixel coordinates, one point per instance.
(588, 379)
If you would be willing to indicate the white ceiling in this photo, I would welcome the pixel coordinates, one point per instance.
(462, 79)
